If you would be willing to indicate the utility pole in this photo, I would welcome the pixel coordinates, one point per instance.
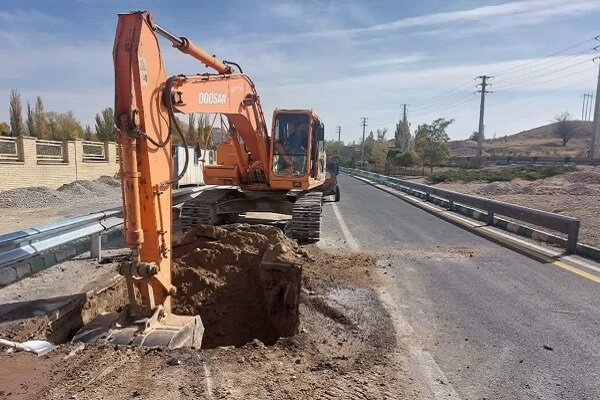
(483, 85)
(339, 132)
(362, 146)
(596, 115)
(587, 106)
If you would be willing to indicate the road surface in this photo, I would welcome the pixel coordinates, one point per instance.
(498, 324)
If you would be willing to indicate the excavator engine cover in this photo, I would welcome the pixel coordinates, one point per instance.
(162, 330)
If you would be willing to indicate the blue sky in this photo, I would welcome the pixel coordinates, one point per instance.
(345, 59)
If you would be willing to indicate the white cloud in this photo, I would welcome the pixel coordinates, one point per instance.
(408, 59)
(491, 17)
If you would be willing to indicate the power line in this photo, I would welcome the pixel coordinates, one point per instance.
(550, 66)
(531, 81)
(502, 72)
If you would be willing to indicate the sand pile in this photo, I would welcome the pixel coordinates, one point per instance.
(243, 280)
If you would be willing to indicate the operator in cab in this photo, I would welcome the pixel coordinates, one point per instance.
(292, 150)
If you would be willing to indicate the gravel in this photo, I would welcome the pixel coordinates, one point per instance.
(81, 191)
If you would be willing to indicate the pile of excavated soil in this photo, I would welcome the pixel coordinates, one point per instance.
(219, 273)
(105, 188)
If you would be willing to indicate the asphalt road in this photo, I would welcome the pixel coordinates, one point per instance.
(499, 324)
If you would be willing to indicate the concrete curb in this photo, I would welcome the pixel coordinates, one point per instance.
(40, 262)
(518, 229)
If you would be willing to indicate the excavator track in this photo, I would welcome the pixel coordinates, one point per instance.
(306, 217)
(202, 209)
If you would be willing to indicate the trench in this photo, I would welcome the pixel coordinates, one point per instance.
(243, 280)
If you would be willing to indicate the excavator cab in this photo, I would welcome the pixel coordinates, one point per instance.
(298, 155)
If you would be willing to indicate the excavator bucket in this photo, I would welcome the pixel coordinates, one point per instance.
(161, 330)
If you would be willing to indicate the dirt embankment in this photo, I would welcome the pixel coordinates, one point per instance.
(576, 194)
(346, 346)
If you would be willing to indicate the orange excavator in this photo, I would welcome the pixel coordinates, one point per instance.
(280, 173)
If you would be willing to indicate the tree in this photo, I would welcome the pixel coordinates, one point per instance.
(331, 148)
(205, 132)
(63, 126)
(379, 151)
(105, 125)
(16, 119)
(408, 158)
(402, 134)
(431, 142)
(88, 134)
(31, 131)
(39, 119)
(474, 136)
(369, 142)
(563, 128)
(4, 129)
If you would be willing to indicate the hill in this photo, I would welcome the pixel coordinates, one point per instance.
(537, 142)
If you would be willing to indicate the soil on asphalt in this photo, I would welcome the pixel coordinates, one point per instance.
(346, 348)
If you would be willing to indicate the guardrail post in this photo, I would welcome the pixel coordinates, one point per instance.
(96, 250)
(451, 205)
(572, 238)
(490, 216)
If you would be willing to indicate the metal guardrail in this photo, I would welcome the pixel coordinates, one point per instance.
(21, 245)
(508, 160)
(9, 148)
(556, 222)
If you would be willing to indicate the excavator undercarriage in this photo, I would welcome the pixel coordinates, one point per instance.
(217, 206)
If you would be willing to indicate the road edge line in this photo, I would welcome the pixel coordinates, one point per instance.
(434, 378)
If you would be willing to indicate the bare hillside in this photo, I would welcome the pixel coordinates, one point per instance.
(537, 142)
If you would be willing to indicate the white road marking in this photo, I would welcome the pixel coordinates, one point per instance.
(432, 376)
(352, 243)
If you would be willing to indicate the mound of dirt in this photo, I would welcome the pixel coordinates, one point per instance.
(31, 197)
(243, 280)
(496, 188)
(583, 177)
(105, 188)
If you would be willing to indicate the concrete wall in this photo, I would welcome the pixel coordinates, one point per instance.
(30, 171)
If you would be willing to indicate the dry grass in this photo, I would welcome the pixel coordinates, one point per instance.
(537, 142)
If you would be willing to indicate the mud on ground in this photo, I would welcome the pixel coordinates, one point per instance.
(346, 348)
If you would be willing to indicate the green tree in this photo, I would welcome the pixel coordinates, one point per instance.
(105, 125)
(431, 142)
(407, 159)
(31, 131)
(17, 128)
(379, 151)
(88, 134)
(63, 126)
(4, 129)
(40, 121)
(402, 134)
(369, 142)
(331, 148)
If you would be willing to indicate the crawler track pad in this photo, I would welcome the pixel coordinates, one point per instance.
(171, 332)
